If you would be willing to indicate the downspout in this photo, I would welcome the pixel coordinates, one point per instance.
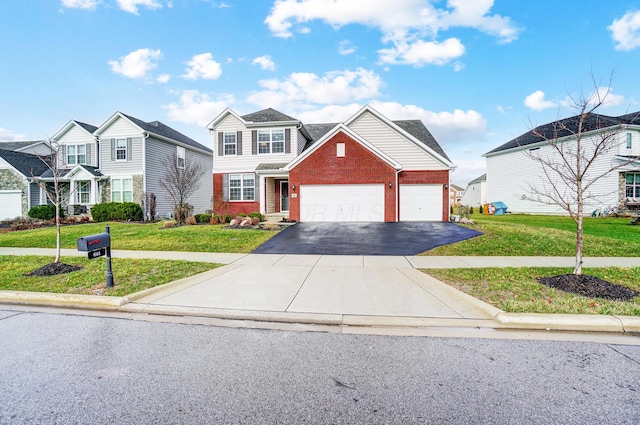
(397, 198)
(144, 162)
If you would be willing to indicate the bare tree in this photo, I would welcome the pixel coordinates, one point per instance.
(574, 164)
(181, 180)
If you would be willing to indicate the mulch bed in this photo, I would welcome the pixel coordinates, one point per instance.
(589, 286)
(53, 269)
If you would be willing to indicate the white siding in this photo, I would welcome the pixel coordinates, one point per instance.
(121, 128)
(393, 144)
(475, 194)
(509, 176)
(79, 136)
(247, 161)
(635, 143)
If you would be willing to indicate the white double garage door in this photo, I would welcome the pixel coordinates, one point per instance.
(365, 202)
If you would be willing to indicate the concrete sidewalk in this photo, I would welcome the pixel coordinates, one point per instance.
(331, 290)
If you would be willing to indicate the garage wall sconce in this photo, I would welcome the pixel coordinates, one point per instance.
(294, 187)
(446, 186)
(389, 185)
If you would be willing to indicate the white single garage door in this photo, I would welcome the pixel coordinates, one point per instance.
(10, 204)
(342, 202)
(421, 202)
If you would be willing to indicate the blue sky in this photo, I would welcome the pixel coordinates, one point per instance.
(476, 72)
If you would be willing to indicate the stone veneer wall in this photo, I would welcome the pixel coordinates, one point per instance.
(10, 180)
(622, 189)
(138, 189)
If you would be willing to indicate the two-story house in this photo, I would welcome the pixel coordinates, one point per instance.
(368, 168)
(125, 159)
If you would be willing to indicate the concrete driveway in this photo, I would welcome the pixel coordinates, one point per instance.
(404, 238)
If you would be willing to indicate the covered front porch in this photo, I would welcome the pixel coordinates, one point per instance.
(274, 202)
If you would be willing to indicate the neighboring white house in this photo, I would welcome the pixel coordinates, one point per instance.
(18, 191)
(476, 192)
(511, 173)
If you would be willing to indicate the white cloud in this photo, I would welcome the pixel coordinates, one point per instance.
(626, 31)
(467, 170)
(265, 62)
(10, 136)
(537, 102)
(411, 26)
(137, 63)
(346, 47)
(80, 4)
(203, 66)
(164, 78)
(606, 95)
(131, 6)
(197, 108)
(301, 89)
(422, 52)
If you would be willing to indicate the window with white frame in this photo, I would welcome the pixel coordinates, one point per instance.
(629, 141)
(270, 141)
(82, 192)
(76, 154)
(180, 155)
(230, 144)
(632, 185)
(121, 149)
(242, 187)
(122, 190)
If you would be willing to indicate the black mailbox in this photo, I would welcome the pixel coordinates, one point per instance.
(94, 242)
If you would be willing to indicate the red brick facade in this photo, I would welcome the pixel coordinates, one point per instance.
(230, 207)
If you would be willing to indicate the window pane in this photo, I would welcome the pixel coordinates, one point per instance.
(116, 196)
(277, 135)
(637, 178)
(264, 136)
(71, 150)
(121, 143)
(277, 147)
(126, 197)
(234, 194)
(235, 180)
(116, 185)
(248, 180)
(127, 184)
(248, 193)
(263, 147)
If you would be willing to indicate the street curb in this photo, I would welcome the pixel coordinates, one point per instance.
(98, 302)
(563, 322)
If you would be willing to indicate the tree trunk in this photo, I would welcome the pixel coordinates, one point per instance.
(57, 259)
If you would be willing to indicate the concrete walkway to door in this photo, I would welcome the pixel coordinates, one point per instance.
(403, 238)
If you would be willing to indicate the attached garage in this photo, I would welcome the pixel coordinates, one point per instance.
(421, 202)
(10, 204)
(342, 202)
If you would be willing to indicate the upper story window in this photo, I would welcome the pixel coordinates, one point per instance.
(230, 144)
(270, 141)
(629, 141)
(180, 157)
(121, 149)
(76, 154)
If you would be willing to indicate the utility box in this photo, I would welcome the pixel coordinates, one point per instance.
(94, 242)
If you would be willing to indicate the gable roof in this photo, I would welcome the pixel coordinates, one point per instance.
(567, 127)
(482, 178)
(18, 146)
(267, 115)
(28, 165)
(155, 128)
(90, 128)
(418, 130)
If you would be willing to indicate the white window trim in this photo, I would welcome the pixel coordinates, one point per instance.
(121, 178)
(234, 144)
(634, 184)
(629, 141)
(270, 142)
(242, 187)
(77, 197)
(76, 154)
(180, 155)
(125, 150)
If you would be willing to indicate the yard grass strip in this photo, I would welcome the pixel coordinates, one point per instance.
(146, 237)
(515, 290)
(130, 275)
(534, 235)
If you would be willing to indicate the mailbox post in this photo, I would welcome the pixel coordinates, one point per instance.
(96, 246)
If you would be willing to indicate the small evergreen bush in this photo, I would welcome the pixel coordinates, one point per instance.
(44, 212)
(203, 218)
(117, 211)
(256, 214)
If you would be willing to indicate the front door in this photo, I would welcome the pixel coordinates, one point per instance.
(284, 196)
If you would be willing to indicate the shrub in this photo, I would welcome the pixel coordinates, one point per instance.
(256, 214)
(182, 211)
(169, 223)
(203, 218)
(191, 220)
(117, 211)
(44, 212)
(470, 210)
(228, 218)
(215, 219)
(481, 209)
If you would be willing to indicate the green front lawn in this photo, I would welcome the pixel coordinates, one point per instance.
(129, 275)
(515, 290)
(535, 235)
(146, 237)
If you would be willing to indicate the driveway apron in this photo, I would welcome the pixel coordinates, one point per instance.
(404, 238)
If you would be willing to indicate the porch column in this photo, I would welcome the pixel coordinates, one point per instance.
(263, 195)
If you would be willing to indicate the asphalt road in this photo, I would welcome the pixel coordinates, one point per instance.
(63, 369)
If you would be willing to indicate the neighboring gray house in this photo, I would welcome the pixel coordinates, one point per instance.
(34, 147)
(18, 191)
(124, 159)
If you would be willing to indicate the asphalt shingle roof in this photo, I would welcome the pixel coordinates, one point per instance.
(156, 127)
(482, 178)
(267, 166)
(418, 130)
(14, 146)
(29, 165)
(90, 128)
(567, 127)
(267, 115)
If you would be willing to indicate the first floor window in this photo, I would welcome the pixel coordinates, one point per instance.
(122, 190)
(242, 187)
(632, 185)
(76, 154)
(83, 190)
